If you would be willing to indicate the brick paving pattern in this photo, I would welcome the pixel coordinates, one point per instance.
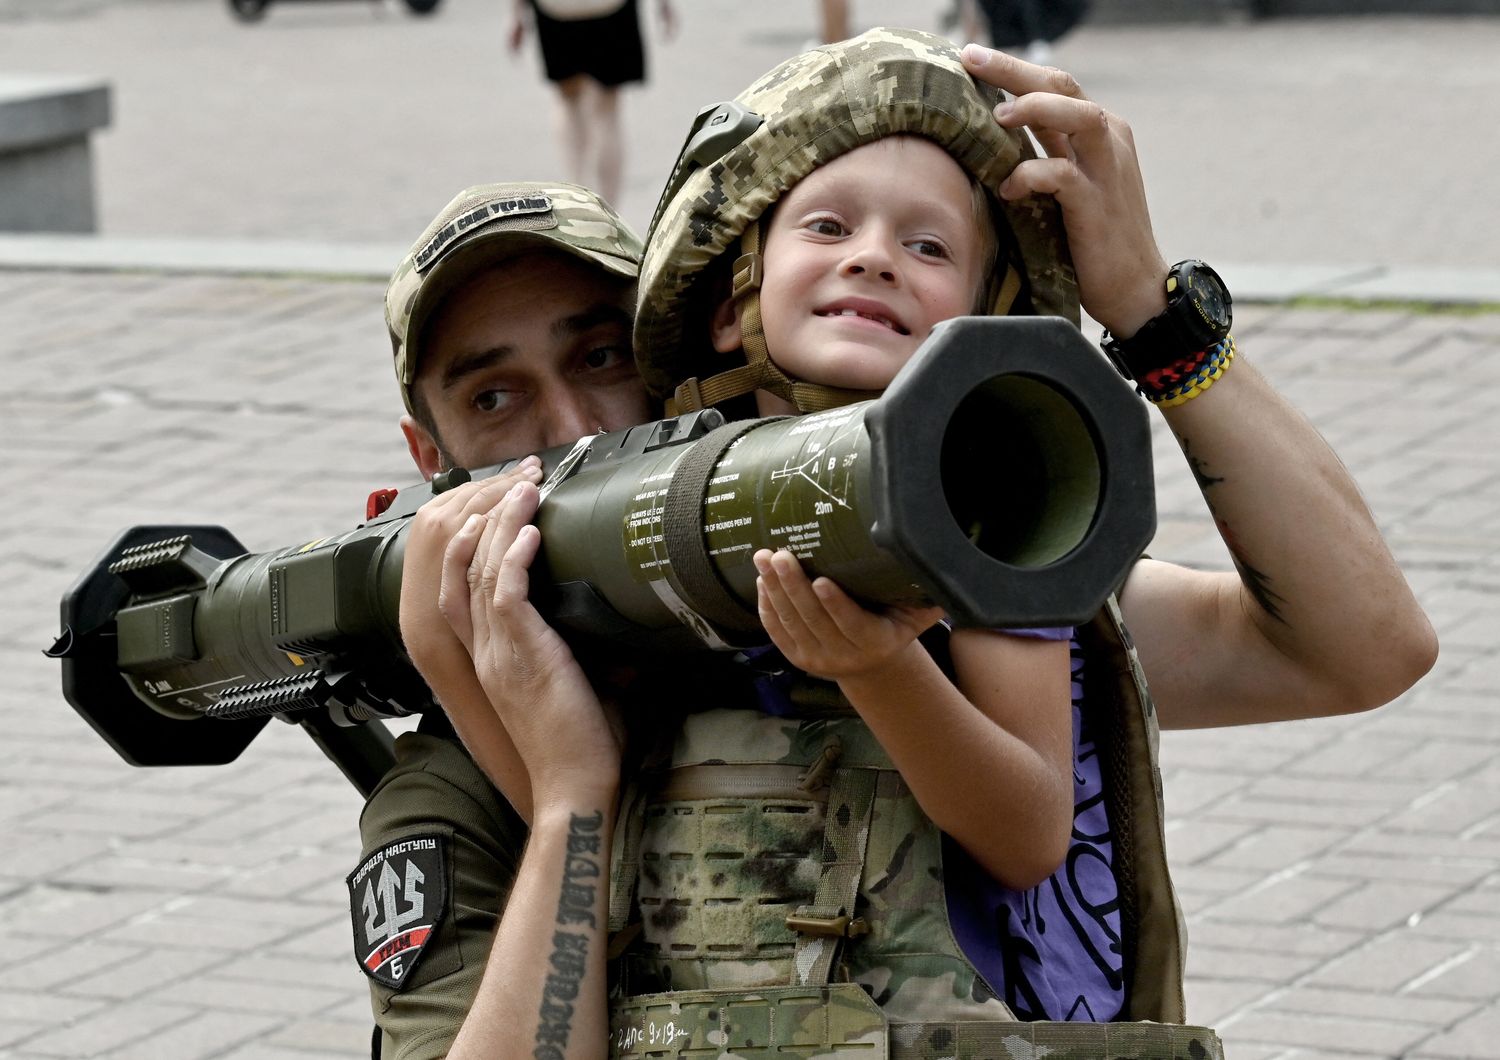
(1341, 877)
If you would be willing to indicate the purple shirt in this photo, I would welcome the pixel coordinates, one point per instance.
(1053, 952)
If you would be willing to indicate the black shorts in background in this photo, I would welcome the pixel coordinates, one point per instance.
(607, 49)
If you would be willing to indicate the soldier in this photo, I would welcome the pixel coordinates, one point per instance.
(511, 324)
(1341, 633)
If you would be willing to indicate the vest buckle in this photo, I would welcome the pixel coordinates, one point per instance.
(841, 927)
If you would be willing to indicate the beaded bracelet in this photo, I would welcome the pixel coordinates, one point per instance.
(1216, 359)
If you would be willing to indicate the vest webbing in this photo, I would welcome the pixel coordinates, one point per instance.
(846, 829)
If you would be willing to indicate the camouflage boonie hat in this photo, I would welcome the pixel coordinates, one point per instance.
(483, 226)
(816, 106)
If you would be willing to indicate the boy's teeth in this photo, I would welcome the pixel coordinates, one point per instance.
(857, 313)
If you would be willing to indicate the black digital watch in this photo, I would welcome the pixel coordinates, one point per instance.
(1197, 316)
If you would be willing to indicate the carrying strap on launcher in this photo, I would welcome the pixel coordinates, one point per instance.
(691, 572)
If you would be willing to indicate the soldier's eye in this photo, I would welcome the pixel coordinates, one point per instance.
(605, 357)
(492, 400)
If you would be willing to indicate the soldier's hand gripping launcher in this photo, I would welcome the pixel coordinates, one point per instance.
(1005, 475)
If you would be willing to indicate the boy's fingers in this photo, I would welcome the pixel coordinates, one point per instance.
(843, 612)
(809, 608)
(770, 587)
(792, 628)
(921, 618)
(768, 616)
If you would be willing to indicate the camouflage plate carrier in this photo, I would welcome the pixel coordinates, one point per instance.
(776, 890)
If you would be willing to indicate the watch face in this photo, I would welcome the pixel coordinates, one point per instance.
(1209, 296)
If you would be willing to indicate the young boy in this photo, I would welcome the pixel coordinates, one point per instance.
(720, 877)
(858, 268)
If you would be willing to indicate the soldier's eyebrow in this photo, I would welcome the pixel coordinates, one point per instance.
(592, 317)
(571, 326)
(467, 364)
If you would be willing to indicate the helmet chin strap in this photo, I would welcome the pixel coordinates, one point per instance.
(759, 372)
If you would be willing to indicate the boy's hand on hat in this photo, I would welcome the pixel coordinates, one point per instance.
(1093, 172)
(821, 629)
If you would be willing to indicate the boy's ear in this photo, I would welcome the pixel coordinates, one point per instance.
(724, 328)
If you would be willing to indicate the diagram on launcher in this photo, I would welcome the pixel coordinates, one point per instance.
(824, 474)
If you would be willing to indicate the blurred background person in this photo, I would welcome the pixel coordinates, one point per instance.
(1028, 28)
(589, 49)
(834, 24)
(960, 20)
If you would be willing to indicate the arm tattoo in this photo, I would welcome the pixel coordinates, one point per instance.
(1256, 582)
(568, 961)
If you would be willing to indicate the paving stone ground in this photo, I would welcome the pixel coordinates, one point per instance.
(1341, 877)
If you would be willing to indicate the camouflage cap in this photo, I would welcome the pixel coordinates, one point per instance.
(816, 106)
(483, 226)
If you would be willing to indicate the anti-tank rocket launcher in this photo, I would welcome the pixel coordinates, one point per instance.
(1004, 475)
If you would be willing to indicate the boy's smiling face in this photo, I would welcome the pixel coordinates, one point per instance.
(862, 258)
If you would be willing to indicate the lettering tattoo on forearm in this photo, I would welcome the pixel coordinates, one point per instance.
(569, 960)
(1257, 582)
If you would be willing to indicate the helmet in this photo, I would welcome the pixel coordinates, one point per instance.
(482, 227)
(741, 157)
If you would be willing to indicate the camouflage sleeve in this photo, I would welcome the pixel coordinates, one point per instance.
(441, 914)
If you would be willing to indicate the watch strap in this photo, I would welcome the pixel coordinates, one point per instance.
(1182, 330)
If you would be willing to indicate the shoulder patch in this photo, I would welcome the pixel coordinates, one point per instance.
(397, 897)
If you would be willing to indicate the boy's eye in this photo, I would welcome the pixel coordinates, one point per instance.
(929, 248)
(825, 226)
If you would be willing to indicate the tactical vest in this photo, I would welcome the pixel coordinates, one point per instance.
(777, 892)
